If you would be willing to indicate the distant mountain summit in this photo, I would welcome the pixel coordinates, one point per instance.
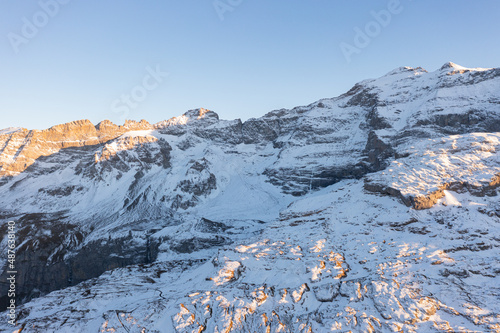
(371, 211)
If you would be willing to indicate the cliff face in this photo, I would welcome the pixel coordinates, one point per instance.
(21, 148)
(345, 213)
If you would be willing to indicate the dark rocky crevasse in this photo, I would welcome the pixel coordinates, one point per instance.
(299, 182)
(377, 152)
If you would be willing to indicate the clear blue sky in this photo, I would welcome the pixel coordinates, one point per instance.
(264, 55)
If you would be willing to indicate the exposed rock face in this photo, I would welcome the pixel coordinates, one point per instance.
(50, 238)
(458, 163)
(22, 148)
(201, 194)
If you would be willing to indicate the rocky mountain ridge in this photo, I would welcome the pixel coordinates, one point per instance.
(222, 206)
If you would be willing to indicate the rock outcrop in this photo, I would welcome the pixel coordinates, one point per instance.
(22, 148)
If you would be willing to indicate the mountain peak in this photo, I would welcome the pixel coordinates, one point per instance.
(453, 68)
(135, 125)
(406, 69)
(189, 117)
(452, 65)
(200, 113)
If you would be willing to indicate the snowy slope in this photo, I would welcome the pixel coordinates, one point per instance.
(323, 266)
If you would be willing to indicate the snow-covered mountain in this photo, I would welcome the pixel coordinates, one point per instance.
(374, 211)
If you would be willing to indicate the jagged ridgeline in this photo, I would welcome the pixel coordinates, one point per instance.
(376, 210)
